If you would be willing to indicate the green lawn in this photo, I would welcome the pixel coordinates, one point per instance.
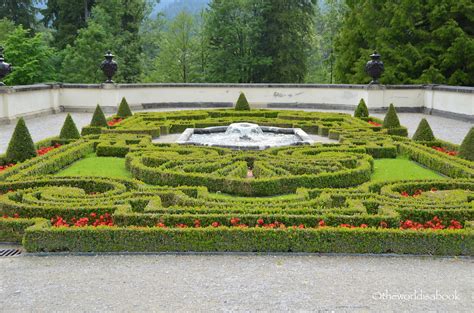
(97, 166)
(401, 168)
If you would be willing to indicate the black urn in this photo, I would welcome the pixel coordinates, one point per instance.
(5, 68)
(109, 67)
(374, 67)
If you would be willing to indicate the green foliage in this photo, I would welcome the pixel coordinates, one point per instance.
(466, 150)
(284, 38)
(391, 118)
(6, 27)
(124, 109)
(423, 132)
(30, 56)
(69, 129)
(22, 12)
(361, 110)
(242, 103)
(98, 119)
(97, 166)
(401, 169)
(21, 146)
(438, 33)
(66, 18)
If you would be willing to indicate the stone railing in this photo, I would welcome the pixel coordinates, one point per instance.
(456, 102)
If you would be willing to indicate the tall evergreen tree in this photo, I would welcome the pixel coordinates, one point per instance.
(233, 28)
(66, 18)
(420, 41)
(284, 39)
(22, 12)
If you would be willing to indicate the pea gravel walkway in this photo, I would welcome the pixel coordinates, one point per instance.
(235, 283)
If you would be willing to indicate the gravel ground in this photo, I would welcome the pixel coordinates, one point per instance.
(233, 282)
(48, 126)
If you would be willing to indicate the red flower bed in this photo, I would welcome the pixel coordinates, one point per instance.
(446, 151)
(91, 220)
(45, 150)
(4, 167)
(115, 121)
(435, 223)
(16, 215)
(416, 194)
(374, 124)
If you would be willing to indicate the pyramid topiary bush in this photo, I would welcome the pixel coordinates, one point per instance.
(124, 110)
(361, 110)
(98, 119)
(423, 132)
(242, 103)
(21, 146)
(391, 118)
(466, 151)
(69, 130)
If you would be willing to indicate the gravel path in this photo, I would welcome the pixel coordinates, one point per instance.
(48, 126)
(237, 283)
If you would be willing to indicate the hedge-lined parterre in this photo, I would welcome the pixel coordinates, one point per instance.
(315, 198)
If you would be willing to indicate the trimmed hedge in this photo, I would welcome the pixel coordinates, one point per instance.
(21, 146)
(424, 132)
(123, 109)
(466, 150)
(69, 130)
(361, 110)
(242, 103)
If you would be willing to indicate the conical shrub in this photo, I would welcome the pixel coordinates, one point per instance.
(69, 129)
(242, 103)
(124, 110)
(21, 146)
(423, 132)
(466, 151)
(361, 110)
(391, 118)
(98, 119)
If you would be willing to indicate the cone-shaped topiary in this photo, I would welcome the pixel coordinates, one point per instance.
(21, 146)
(466, 151)
(391, 118)
(242, 103)
(69, 129)
(361, 110)
(98, 119)
(423, 132)
(124, 110)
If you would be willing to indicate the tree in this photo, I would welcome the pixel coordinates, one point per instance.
(21, 12)
(391, 118)
(423, 132)
(466, 150)
(242, 103)
(284, 38)
(66, 18)
(6, 27)
(176, 61)
(361, 110)
(124, 109)
(420, 41)
(98, 118)
(31, 57)
(232, 28)
(21, 146)
(69, 130)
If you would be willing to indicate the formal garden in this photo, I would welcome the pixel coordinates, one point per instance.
(112, 187)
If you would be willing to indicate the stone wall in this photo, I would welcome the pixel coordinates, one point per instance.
(457, 102)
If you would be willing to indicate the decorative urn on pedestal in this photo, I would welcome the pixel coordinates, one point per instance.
(5, 68)
(109, 67)
(374, 68)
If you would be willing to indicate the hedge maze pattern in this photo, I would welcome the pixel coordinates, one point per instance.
(315, 198)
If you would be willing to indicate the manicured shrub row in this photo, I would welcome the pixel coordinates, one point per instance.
(12, 229)
(41, 238)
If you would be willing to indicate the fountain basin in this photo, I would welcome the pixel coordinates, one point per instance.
(244, 136)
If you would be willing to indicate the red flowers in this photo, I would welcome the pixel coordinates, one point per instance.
(417, 193)
(114, 122)
(16, 215)
(91, 220)
(4, 167)
(446, 151)
(45, 150)
(435, 223)
(374, 123)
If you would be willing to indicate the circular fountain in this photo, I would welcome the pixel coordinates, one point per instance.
(244, 136)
